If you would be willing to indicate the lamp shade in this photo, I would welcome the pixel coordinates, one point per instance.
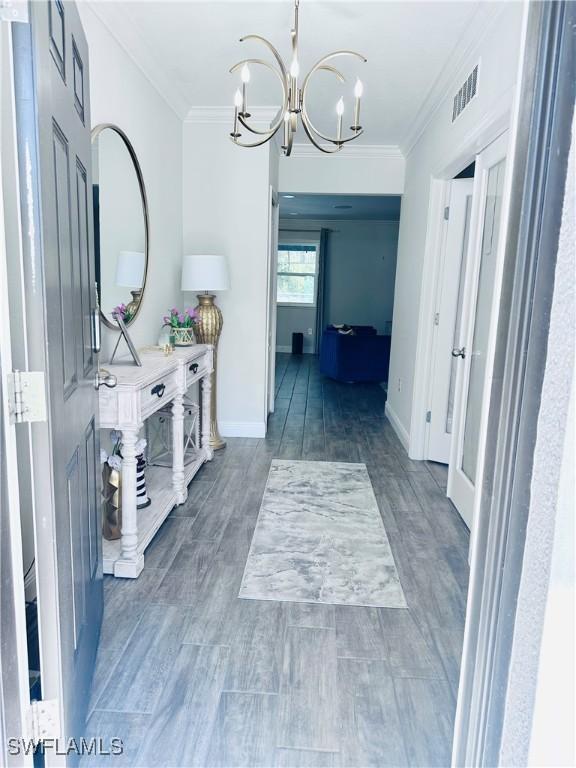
(130, 269)
(205, 273)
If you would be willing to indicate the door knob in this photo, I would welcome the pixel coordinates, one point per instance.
(104, 377)
(459, 352)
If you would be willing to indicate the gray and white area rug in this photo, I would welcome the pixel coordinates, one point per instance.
(320, 539)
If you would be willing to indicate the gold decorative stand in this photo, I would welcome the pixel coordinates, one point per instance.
(207, 331)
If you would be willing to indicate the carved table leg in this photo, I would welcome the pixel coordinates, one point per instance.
(130, 563)
(178, 450)
(206, 392)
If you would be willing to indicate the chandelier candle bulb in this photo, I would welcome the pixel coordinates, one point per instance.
(245, 77)
(294, 72)
(358, 90)
(237, 104)
(286, 129)
(339, 112)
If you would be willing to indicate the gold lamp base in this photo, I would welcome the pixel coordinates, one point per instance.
(207, 331)
(132, 307)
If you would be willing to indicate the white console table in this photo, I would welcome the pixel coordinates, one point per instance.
(140, 392)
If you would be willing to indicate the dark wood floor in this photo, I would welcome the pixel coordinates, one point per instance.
(188, 674)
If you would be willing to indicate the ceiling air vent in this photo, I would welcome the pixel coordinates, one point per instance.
(466, 93)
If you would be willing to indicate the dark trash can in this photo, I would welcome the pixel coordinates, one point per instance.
(297, 343)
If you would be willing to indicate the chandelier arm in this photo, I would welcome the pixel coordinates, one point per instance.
(308, 132)
(274, 126)
(328, 68)
(333, 55)
(321, 64)
(306, 119)
(271, 48)
(258, 143)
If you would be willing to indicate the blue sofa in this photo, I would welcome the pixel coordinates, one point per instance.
(363, 356)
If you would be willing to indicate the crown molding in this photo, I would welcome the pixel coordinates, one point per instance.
(120, 25)
(349, 152)
(225, 115)
(465, 53)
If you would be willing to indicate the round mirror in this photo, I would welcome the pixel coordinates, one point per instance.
(120, 224)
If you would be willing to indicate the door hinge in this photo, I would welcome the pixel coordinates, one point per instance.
(43, 720)
(447, 213)
(437, 318)
(26, 396)
(428, 416)
(14, 10)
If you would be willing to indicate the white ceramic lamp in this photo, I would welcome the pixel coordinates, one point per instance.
(204, 272)
(207, 272)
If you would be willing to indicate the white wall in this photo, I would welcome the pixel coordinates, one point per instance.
(354, 171)
(121, 94)
(441, 144)
(359, 272)
(295, 320)
(226, 210)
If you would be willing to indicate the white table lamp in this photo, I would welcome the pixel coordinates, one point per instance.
(207, 273)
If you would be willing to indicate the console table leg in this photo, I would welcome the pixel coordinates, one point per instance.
(178, 450)
(130, 563)
(206, 393)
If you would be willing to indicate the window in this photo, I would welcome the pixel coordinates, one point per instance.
(297, 270)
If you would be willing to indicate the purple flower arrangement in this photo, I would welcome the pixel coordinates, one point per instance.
(177, 319)
(125, 313)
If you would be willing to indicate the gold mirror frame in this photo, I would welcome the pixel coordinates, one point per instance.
(96, 131)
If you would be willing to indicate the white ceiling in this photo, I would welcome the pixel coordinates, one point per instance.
(189, 47)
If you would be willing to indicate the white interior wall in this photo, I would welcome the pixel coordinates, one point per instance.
(121, 94)
(226, 193)
(354, 171)
(435, 155)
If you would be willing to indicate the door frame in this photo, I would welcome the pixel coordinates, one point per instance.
(460, 484)
(14, 683)
(494, 704)
(273, 232)
(35, 341)
(473, 143)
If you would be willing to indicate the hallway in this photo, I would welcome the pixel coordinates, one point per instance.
(188, 674)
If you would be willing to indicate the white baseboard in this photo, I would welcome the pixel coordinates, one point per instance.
(397, 425)
(242, 428)
(289, 349)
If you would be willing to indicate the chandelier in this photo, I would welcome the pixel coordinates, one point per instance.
(293, 99)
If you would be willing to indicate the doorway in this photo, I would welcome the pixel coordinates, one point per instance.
(478, 313)
(463, 313)
(335, 266)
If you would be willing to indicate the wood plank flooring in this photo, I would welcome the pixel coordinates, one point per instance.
(190, 675)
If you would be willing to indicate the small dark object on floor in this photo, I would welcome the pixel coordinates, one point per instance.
(297, 343)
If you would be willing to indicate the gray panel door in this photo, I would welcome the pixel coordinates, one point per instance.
(58, 57)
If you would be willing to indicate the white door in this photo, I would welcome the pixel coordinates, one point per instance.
(53, 126)
(447, 319)
(273, 224)
(478, 315)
